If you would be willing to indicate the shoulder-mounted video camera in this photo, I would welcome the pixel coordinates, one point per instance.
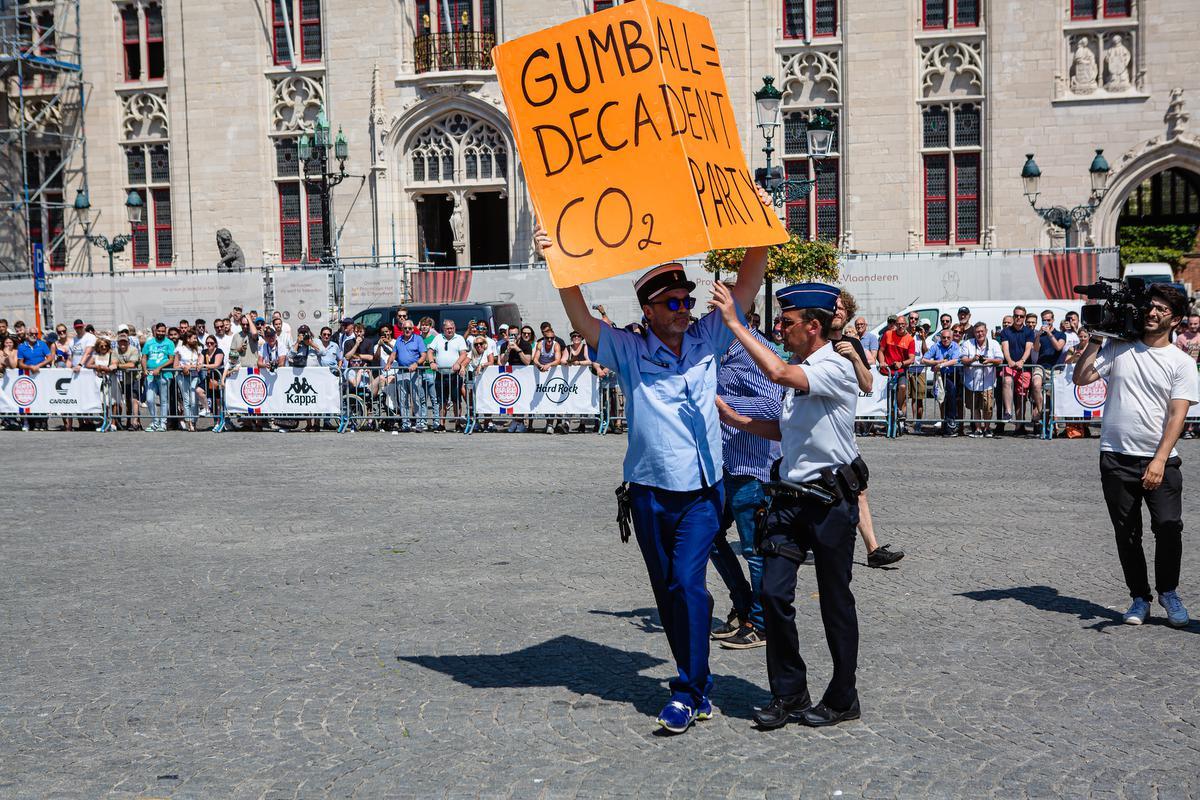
(1121, 312)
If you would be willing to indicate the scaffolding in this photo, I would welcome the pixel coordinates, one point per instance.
(43, 145)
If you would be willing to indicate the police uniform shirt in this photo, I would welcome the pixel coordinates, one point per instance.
(818, 426)
(674, 429)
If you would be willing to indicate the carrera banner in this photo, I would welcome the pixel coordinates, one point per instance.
(288, 391)
(50, 391)
(528, 390)
(629, 142)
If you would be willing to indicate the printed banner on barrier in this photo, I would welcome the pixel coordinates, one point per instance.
(528, 390)
(50, 391)
(874, 402)
(629, 142)
(1087, 402)
(287, 391)
(1078, 402)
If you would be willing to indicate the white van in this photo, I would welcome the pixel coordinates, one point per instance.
(1150, 272)
(991, 312)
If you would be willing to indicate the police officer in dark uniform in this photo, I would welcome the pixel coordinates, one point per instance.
(673, 463)
(813, 505)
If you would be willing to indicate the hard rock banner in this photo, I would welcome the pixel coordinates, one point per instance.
(527, 390)
(50, 391)
(286, 391)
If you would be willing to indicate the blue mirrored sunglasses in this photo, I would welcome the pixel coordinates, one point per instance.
(676, 303)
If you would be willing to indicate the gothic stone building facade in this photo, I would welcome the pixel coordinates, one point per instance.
(198, 107)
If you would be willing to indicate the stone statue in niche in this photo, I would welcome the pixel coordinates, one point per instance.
(1083, 68)
(232, 259)
(1116, 62)
(456, 226)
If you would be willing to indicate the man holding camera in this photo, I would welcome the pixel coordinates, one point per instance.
(1151, 386)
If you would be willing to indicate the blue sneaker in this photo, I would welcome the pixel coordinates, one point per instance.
(704, 711)
(1138, 612)
(1177, 615)
(676, 717)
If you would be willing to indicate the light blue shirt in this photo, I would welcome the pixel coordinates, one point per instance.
(670, 406)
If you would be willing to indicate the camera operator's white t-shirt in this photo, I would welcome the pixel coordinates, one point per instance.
(1141, 383)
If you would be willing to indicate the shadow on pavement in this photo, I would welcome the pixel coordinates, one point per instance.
(585, 668)
(644, 619)
(1047, 598)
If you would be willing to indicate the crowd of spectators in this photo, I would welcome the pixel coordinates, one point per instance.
(978, 371)
(419, 379)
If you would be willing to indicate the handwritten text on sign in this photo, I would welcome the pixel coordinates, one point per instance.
(628, 141)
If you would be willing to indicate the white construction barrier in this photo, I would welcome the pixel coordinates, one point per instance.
(143, 299)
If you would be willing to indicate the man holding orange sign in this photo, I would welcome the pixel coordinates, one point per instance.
(673, 465)
(630, 149)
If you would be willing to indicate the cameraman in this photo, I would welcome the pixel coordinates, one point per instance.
(1150, 387)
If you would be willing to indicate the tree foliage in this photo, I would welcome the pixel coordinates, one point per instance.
(793, 261)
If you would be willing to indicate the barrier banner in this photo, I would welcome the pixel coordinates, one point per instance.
(50, 391)
(874, 402)
(288, 391)
(16, 300)
(1087, 402)
(1077, 402)
(143, 299)
(592, 103)
(528, 390)
(302, 296)
(363, 288)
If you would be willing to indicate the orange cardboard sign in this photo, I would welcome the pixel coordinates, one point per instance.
(628, 141)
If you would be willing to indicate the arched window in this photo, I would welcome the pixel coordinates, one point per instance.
(458, 149)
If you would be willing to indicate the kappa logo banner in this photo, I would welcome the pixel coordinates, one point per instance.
(629, 142)
(296, 391)
(50, 391)
(528, 390)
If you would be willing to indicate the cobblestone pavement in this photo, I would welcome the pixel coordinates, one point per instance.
(433, 616)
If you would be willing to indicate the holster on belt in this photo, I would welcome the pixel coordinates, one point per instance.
(624, 512)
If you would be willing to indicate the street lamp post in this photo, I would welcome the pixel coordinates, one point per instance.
(768, 101)
(134, 206)
(313, 153)
(1061, 216)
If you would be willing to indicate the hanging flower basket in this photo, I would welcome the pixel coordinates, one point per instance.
(793, 261)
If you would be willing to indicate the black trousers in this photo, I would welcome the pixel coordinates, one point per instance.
(1121, 479)
(829, 532)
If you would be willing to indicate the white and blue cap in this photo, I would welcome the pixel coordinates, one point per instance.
(808, 295)
(662, 278)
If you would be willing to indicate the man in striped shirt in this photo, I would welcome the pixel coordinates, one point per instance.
(742, 387)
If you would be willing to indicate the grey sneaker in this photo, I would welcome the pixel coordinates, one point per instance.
(1176, 614)
(1139, 611)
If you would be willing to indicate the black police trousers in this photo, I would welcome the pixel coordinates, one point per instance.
(1121, 479)
(829, 532)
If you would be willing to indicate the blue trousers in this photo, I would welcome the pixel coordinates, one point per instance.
(675, 531)
(743, 496)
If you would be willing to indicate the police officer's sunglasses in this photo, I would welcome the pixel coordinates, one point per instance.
(676, 303)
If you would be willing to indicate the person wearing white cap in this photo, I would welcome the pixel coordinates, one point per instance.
(673, 465)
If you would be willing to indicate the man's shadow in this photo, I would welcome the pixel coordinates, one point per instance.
(585, 668)
(1047, 598)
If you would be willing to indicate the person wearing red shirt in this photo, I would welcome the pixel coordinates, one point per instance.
(897, 349)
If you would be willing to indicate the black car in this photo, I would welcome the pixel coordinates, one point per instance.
(495, 314)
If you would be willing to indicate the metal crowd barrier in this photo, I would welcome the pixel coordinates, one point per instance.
(963, 410)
